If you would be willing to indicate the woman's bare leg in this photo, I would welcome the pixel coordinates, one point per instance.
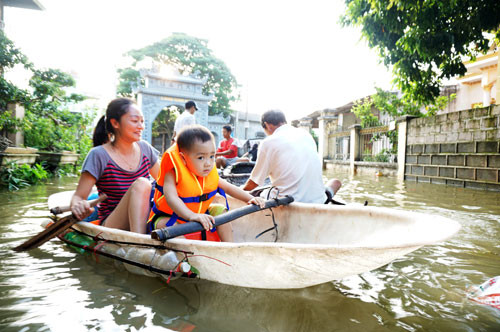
(132, 212)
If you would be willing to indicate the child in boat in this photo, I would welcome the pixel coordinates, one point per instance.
(187, 184)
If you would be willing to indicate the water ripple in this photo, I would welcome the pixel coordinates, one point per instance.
(54, 289)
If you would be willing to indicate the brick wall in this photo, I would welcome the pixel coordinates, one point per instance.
(459, 148)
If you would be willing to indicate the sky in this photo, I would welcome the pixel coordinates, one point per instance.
(288, 55)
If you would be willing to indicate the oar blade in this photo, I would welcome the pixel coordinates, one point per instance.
(56, 228)
(50, 232)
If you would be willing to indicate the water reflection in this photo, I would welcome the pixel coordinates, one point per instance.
(52, 288)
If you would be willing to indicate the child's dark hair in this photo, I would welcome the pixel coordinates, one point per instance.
(189, 135)
(115, 110)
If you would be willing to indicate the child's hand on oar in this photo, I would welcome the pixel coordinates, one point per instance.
(258, 201)
(206, 220)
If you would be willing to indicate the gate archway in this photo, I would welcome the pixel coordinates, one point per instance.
(160, 92)
(163, 127)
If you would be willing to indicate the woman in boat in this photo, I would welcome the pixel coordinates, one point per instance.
(119, 166)
(187, 185)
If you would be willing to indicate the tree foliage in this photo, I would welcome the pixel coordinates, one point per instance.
(48, 124)
(395, 106)
(49, 91)
(425, 40)
(10, 56)
(164, 125)
(191, 56)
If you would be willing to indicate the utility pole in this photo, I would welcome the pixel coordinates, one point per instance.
(247, 124)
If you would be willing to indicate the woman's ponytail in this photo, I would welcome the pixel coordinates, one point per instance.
(100, 134)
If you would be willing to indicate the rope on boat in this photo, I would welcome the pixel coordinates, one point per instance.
(275, 226)
(155, 246)
(169, 273)
(215, 259)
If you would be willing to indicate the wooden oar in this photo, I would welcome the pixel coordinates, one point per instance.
(166, 233)
(55, 229)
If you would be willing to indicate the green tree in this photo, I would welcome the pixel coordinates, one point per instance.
(425, 40)
(395, 106)
(48, 124)
(64, 131)
(49, 92)
(163, 125)
(363, 109)
(190, 55)
(10, 56)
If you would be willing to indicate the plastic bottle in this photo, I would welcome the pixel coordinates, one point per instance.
(185, 267)
(167, 261)
(79, 239)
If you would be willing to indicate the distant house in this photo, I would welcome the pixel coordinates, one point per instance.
(26, 4)
(480, 86)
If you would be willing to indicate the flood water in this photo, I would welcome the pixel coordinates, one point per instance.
(54, 289)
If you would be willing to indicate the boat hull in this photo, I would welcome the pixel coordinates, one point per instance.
(315, 244)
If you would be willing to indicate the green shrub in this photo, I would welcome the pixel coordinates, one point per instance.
(15, 177)
(65, 170)
(381, 157)
(67, 132)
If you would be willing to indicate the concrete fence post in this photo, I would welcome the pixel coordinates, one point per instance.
(17, 111)
(402, 127)
(324, 123)
(355, 147)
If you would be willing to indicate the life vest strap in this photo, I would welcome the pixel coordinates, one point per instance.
(174, 217)
(158, 187)
(201, 198)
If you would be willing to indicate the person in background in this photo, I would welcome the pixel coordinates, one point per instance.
(119, 165)
(250, 155)
(187, 185)
(185, 119)
(227, 153)
(288, 156)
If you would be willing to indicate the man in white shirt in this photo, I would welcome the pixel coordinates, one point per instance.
(186, 118)
(288, 156)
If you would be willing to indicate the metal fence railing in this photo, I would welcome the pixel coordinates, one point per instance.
(375, 145)
(342, 148)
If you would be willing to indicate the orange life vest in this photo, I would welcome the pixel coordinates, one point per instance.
(196, 192)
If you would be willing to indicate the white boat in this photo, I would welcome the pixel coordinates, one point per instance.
(314, 244)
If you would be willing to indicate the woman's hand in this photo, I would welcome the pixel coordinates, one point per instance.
(206, 220)
(81, 209)
(258, 201)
